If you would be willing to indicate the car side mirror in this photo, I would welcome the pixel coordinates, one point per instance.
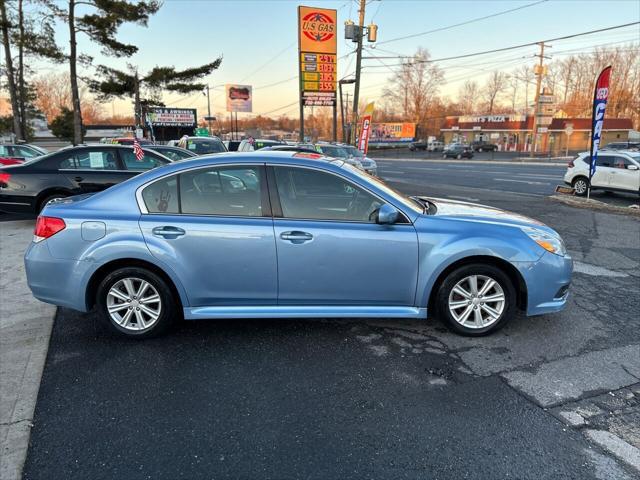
(387, 215)
(632, 167)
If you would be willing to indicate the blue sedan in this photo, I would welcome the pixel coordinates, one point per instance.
(281, 234)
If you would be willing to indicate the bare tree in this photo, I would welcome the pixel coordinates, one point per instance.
(496, 83)
(468, 96)
(415, 87)
(526, 77)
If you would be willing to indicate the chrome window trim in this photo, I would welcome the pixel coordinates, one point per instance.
(90, 170)
(145, 211)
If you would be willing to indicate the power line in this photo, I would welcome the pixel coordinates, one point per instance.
(504, 49)
(279, 108)
(287, 48)
(467, 22)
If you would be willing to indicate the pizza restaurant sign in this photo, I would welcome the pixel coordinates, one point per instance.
(493, 119)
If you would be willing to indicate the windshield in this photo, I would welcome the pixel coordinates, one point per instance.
(332, 151)
(355, 152)
(407, 202)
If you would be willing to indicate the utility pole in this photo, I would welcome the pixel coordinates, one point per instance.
(539, 71)
(356, 92)
(209, 109)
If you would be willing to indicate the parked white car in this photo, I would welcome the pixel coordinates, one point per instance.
(616, 171)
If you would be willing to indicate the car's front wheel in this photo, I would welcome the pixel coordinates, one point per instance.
(136, 302)
(581, 186)
(476, 299)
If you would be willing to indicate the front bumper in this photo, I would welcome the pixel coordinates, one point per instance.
(547, 282)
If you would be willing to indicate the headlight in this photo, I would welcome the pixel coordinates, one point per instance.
(551, 243)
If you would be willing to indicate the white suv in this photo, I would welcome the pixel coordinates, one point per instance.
(615, 171)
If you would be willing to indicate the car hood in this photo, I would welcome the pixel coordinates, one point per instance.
(481, 213)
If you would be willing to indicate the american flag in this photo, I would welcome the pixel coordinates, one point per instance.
(137, 150)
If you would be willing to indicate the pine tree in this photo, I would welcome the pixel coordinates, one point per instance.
(101, 25)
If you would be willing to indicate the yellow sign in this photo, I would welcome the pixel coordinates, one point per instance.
(317, 42)
(317, 30)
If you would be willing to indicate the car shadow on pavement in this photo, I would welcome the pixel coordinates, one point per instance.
(282, 399)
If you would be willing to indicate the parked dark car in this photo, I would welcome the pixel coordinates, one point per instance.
(458, 151)
(482, 146)
(27, 188)
(419, 145)
(174, 154)
(232, 145)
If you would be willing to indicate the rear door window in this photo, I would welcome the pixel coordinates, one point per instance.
(231, 191)
(89, 160)
(604, 161)
(162, 196)
(147, 162)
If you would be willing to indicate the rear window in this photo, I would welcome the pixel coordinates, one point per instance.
(201, 147)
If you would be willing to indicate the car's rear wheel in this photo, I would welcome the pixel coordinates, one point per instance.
(476, 299)
(580, 186)
(480, 149)
(459, 156)
(47, 199)
(136, 302)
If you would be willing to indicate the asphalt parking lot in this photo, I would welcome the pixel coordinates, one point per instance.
(366, 398)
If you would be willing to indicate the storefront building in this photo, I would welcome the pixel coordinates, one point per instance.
(514, 133)
(164, 124)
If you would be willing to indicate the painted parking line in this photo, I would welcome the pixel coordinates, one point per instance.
(520, 181)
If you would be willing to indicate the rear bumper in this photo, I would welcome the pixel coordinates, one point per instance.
(16, 204)
(54, 280)
(547, 282)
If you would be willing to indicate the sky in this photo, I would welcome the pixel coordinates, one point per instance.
(258, 42)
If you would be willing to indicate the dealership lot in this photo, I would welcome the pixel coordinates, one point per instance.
(364, 398)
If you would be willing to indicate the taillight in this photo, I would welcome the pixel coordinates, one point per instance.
(571, 164)
(47, 227)
(4, 179)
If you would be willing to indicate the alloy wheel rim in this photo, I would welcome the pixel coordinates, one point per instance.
(477, 301)
(580, 186)
(134, 304)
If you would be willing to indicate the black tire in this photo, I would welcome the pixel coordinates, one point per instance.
(580, 186)
(441, 303)
(168, 306)
(48, 198)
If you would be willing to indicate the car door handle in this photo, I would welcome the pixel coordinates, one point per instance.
(78, 179)
(168, 232)
(296, 237)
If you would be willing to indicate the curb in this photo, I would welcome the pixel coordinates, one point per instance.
(476, 162)
(25, 329)
(594, 205)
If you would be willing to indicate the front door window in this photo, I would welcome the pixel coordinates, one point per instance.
(311, 194)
